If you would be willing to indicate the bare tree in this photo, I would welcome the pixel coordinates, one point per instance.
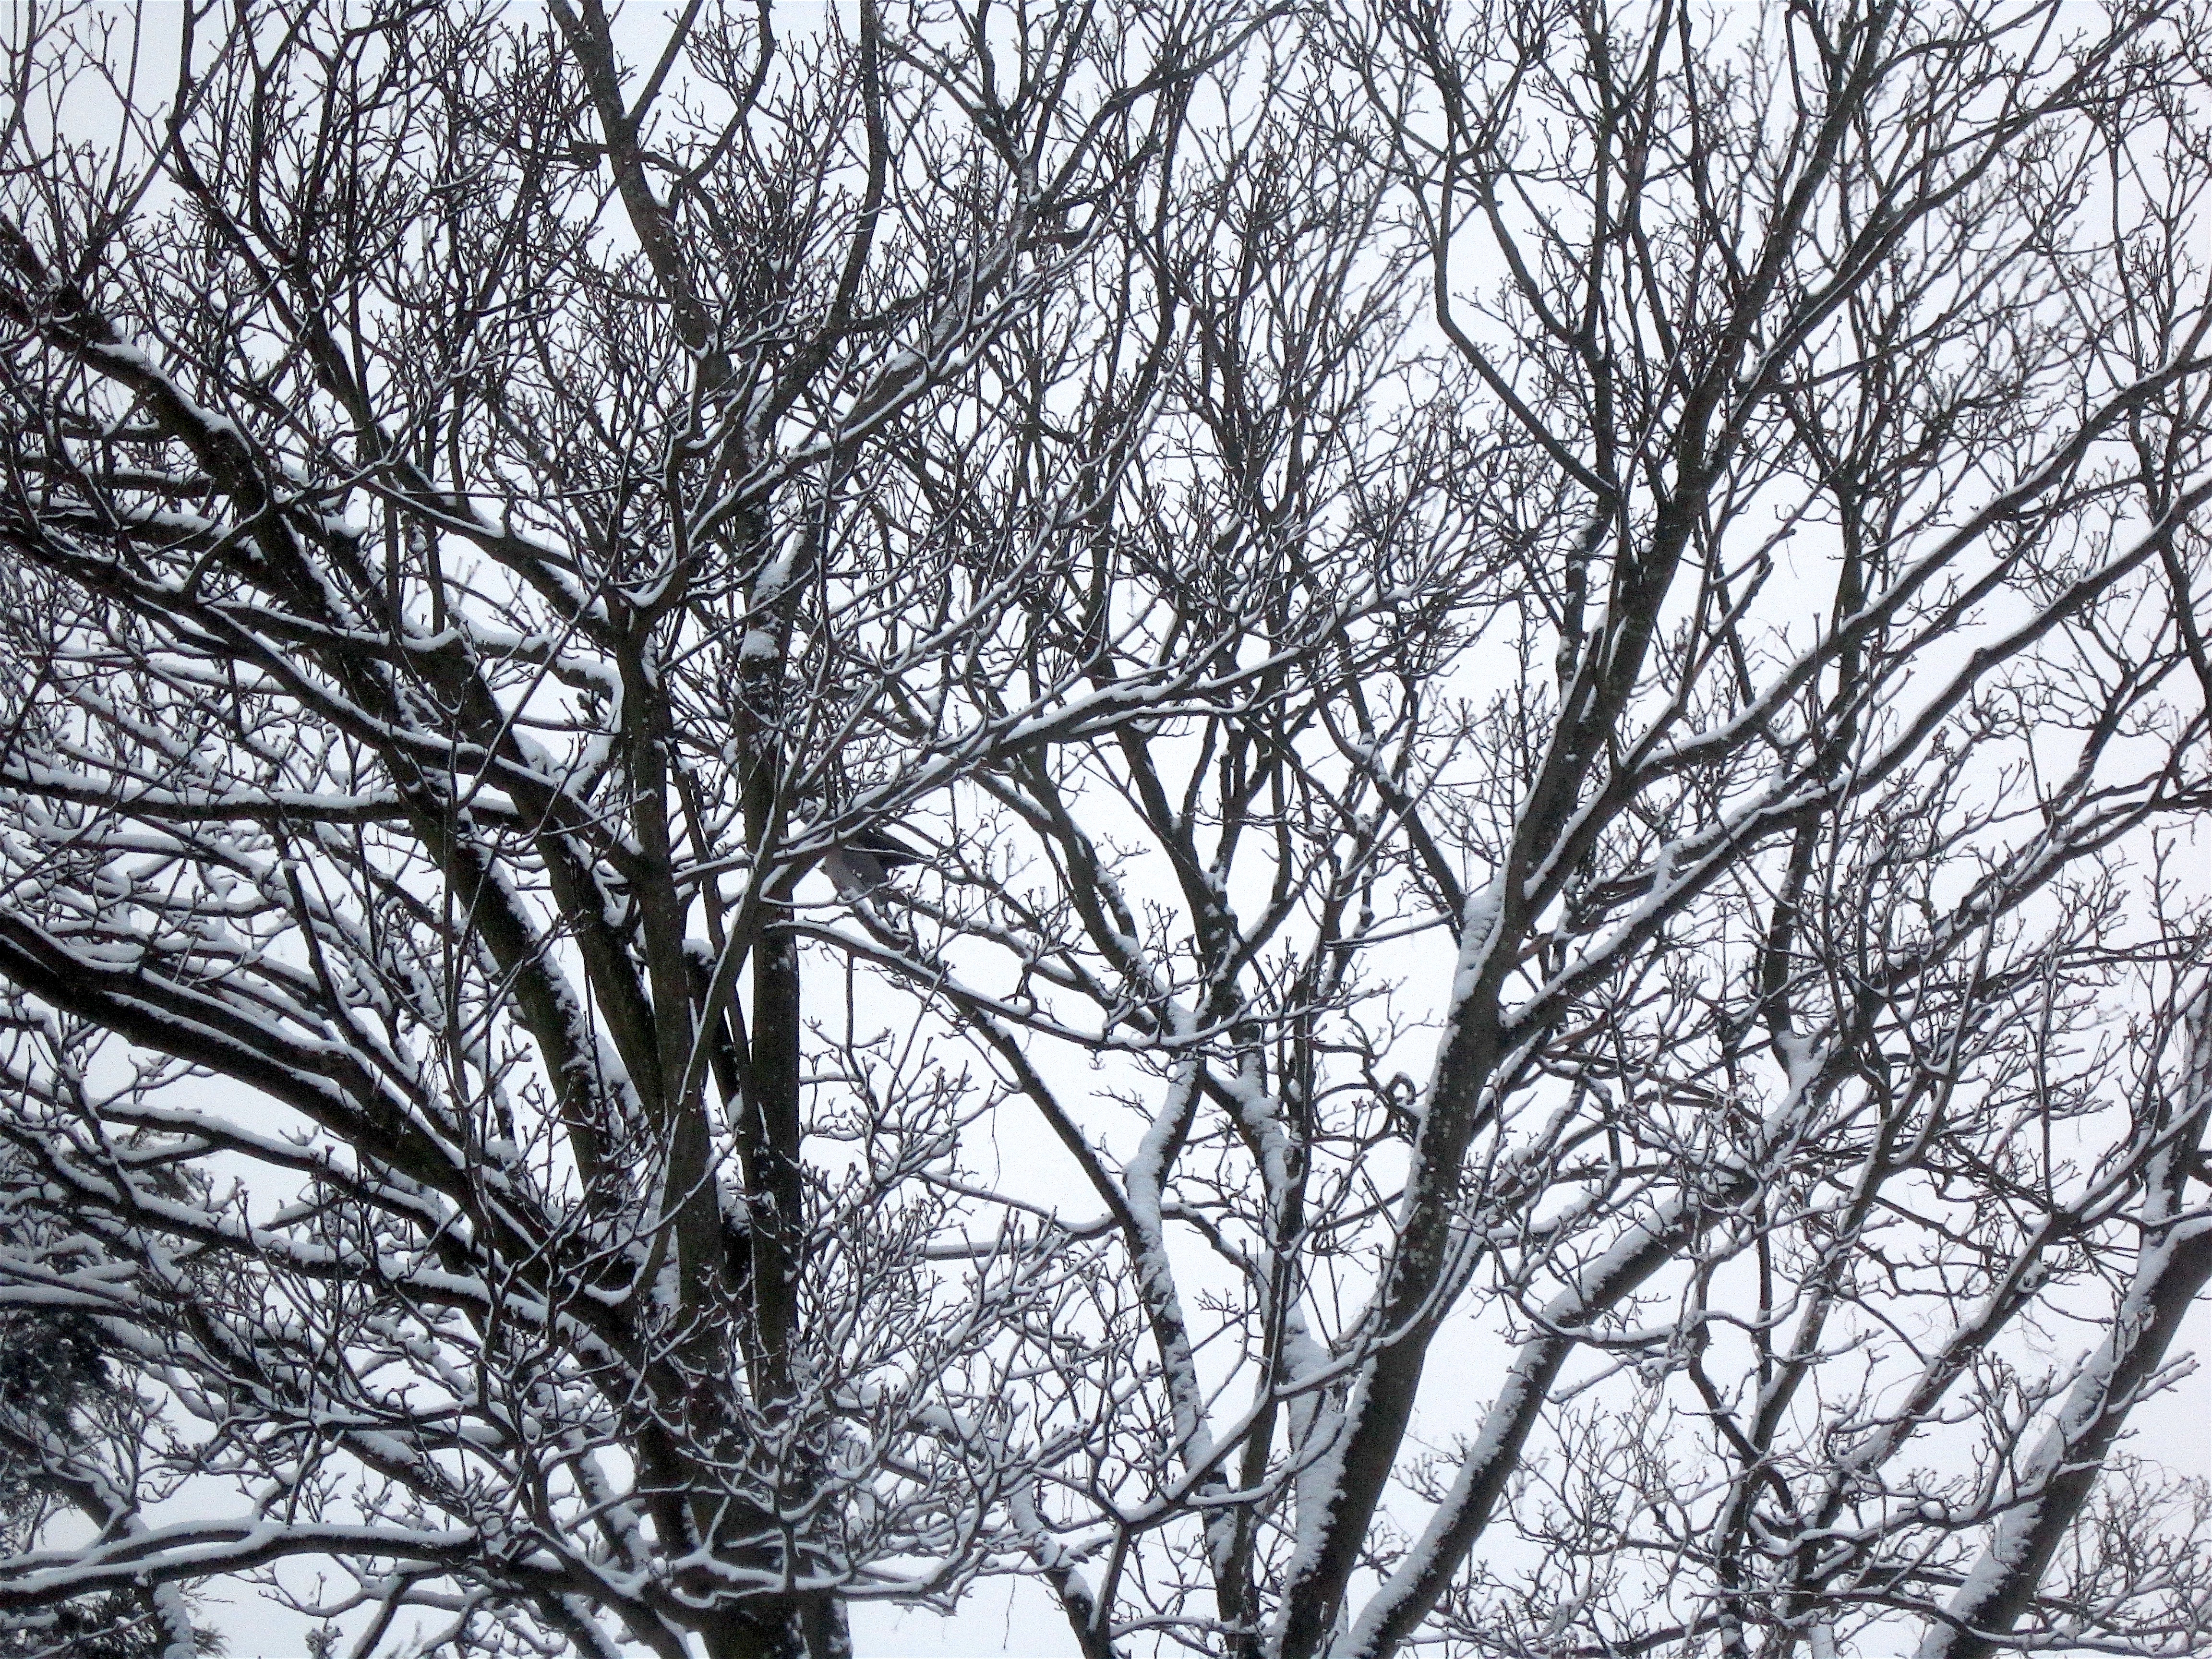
(1655, 1090)
(442, 547)
(1359, 827)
